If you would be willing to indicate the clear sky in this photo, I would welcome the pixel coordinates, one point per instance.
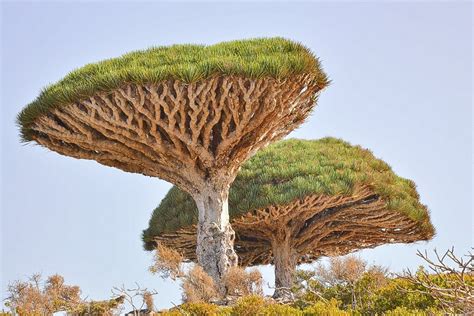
(402, 86)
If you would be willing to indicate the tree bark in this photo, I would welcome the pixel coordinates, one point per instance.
(215, 237)
(284, 259)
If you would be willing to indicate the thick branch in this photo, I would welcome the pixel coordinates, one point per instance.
(187, 134)
(317, 226)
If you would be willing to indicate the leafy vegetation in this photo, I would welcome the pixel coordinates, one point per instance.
(367, 290)
(449, 280)
(438, 290)
(256, 305)
(344, 286)
(36, 297)
(254, 58)
(348, 286)
(293, 169)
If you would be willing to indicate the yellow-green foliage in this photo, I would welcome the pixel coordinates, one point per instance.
(330, 308)
(199, 309)
(375, 293)
(257, 305)
(399, 292)
(255, 58)
(248, 306)
(293, 169)
(403, 311)
(104, 308)
(281, 310)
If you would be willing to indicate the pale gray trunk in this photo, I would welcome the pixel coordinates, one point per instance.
(284, 259)
(215, 237)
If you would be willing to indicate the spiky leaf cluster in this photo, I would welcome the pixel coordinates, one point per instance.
(254, 58)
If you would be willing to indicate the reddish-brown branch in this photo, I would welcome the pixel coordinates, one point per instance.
(188, 134)
(193, 135)
(317, 226)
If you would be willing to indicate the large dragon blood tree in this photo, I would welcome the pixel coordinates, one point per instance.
(298, 200)
(188, 114)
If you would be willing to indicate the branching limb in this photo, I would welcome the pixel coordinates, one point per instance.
(449, 279)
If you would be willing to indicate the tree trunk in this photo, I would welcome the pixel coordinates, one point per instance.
(215, 237)
(284, 259)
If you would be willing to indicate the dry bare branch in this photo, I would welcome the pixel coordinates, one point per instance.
(137, 297)
(449, 279)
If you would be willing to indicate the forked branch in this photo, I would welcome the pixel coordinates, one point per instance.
(449, 279)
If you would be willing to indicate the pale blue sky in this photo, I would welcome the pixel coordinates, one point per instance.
(402, 86)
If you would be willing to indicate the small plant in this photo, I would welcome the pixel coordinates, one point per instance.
(137, 298)
(249, 306)
(167, 262)
(199, 309)
(239, 282)
(342, 271)
(35, 297)
(104, 308)
(280, 310)
(198, 286)
(329, 308)
(403, 311)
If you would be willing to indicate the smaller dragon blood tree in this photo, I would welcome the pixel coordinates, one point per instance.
(298, 200)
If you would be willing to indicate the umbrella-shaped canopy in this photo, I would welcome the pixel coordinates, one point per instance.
(188, 114)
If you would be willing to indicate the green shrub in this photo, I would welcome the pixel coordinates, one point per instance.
(257, 305)
(401, 293)
(200, 309)
(403, 311)
(330, 308)
(197, 309)
(249, 306)
(280, 310)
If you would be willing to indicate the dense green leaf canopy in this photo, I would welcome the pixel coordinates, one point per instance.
(293, 169)
(255, 58)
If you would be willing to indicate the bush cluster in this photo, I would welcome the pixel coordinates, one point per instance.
(257, 305)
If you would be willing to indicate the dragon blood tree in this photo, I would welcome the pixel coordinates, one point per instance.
(298, 200)
(188, 114)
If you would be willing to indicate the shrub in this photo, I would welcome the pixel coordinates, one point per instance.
(450, 280)
(200, 309)
(103, 308)
(167, 262)
(35, 297)
(401, 293)
(403, 311)
(280, 310)
(149, 301)
(198, 286)
(239, 282)
(330, 308)
(249, 306)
